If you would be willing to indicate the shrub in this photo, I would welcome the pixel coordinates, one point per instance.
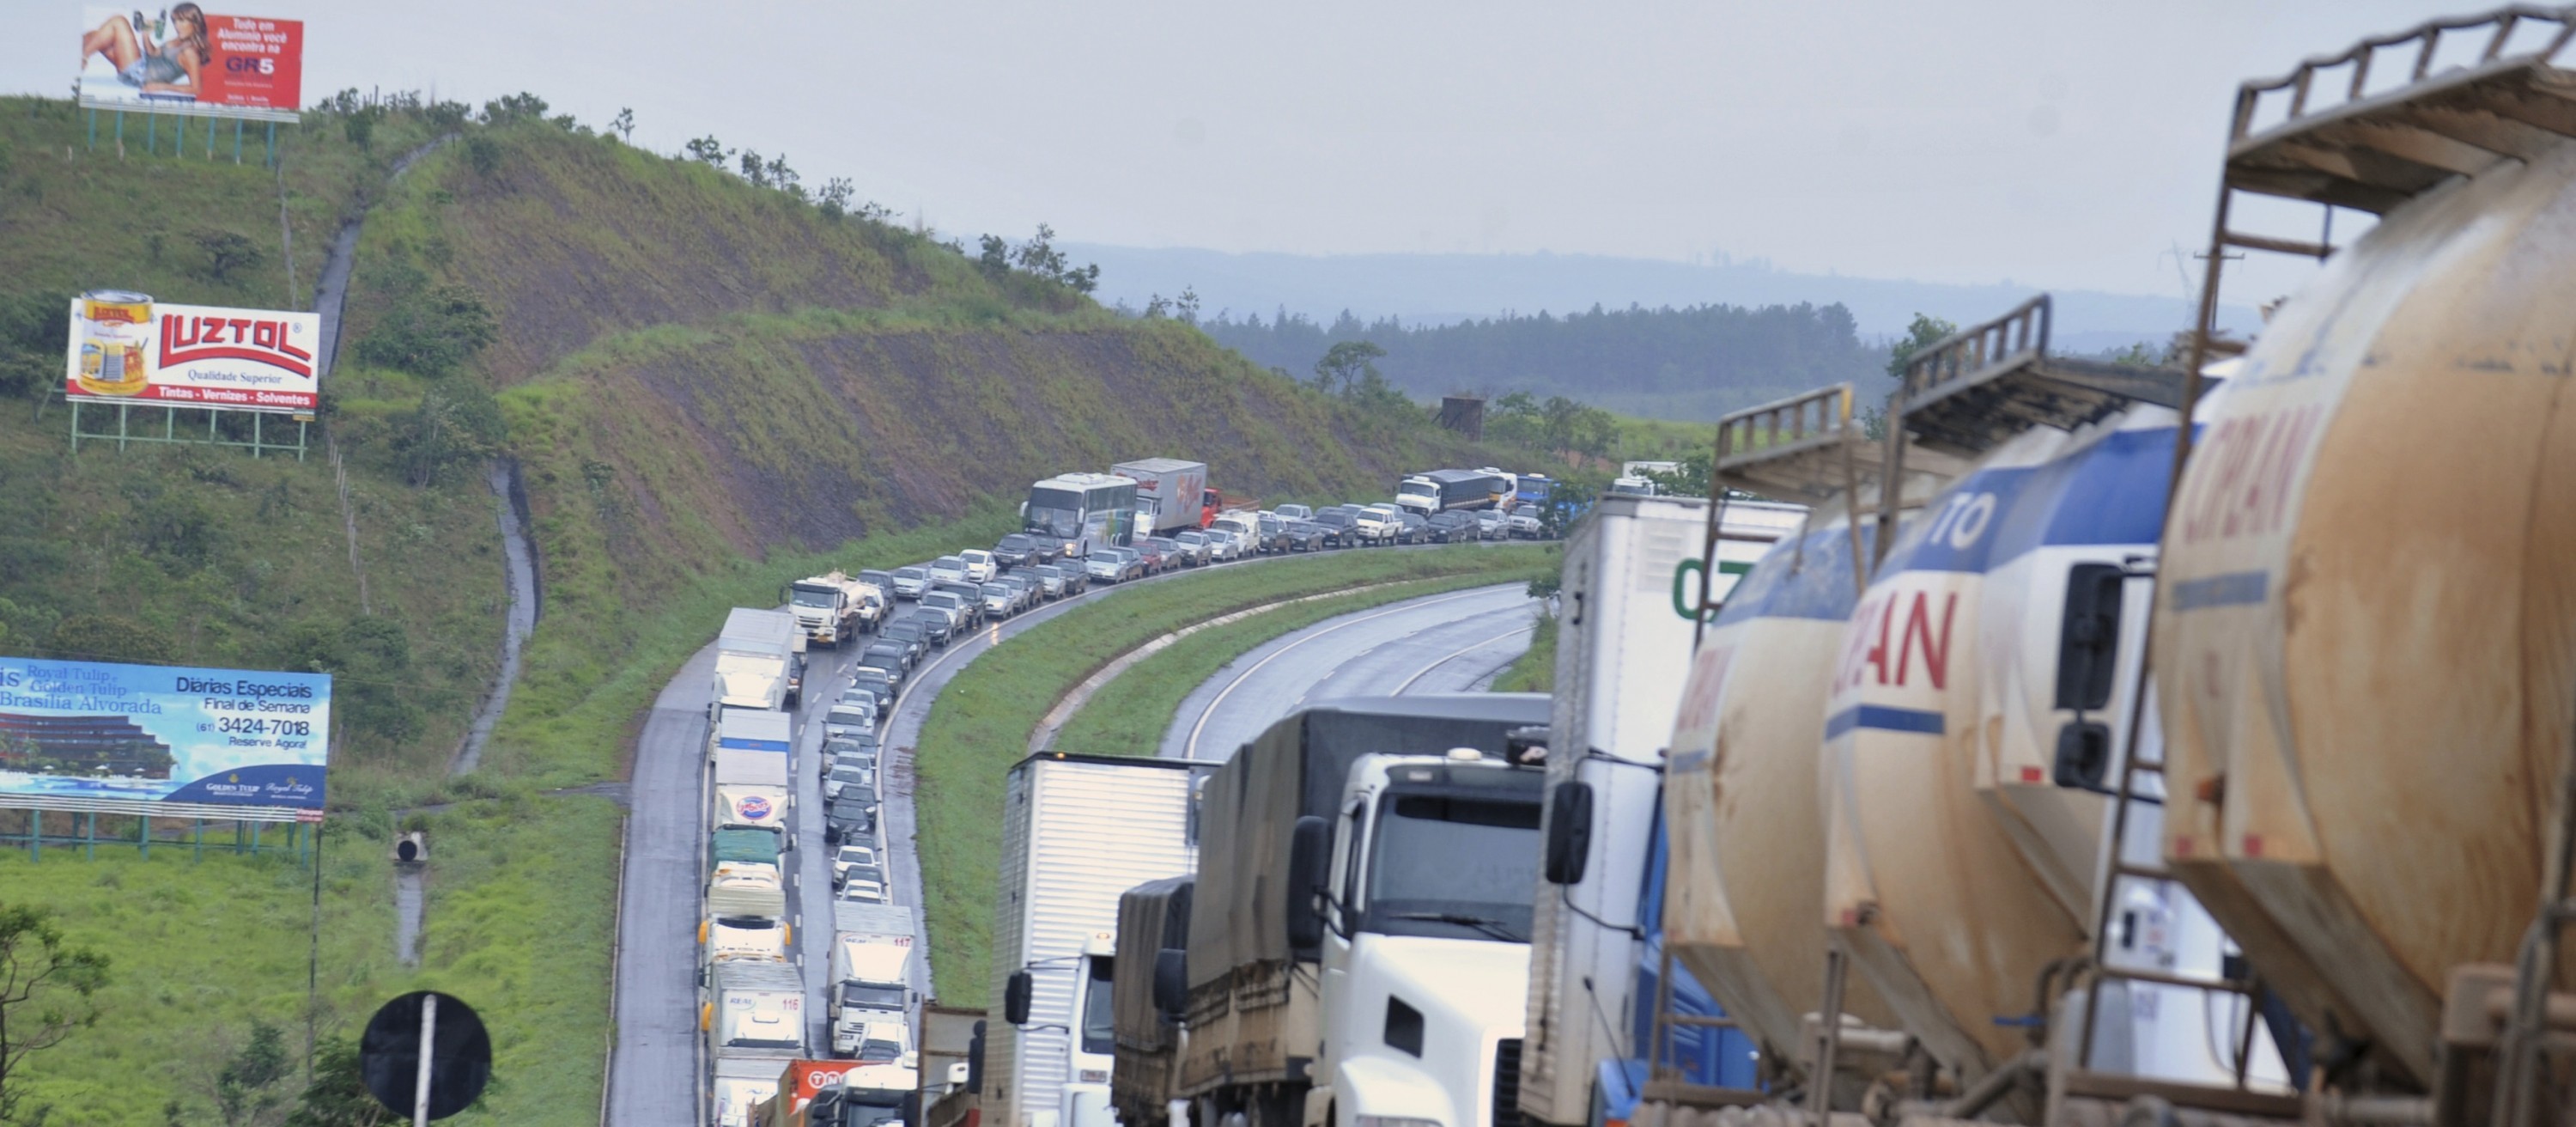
(431, 331)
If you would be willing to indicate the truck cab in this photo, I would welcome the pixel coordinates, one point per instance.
(1425, 918)
(1420, 494)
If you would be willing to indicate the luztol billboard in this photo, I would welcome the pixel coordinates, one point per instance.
(186, 59)
(125, 346)
(90, 733)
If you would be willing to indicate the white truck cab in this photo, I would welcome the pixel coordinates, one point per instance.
(1425, 946)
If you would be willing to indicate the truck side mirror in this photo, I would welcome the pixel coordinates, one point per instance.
(1171, 983)
(2089, 636)
(1310, 855)
(1569, 832)
(1015, 997)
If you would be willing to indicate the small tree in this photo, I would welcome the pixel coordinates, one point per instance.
(1347, 365)
(47, 990)
(360, 129)
(624, 124)
(996, 257)
(1925, 332)
(226, 252)
(835, 197)
(708, 150)
(338, 1095)
(246, 1089)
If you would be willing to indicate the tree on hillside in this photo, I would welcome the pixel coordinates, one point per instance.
(47, 987)
(1925, 332)
(1559, 424)
(431, 331)
(513, 107)
(708, 150)
(226, 252)
(246, 1091)
(624, 124)
(1346, 364)
(338, 1096)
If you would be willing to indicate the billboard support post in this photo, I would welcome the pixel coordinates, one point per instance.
(152, 133)
(120, 134)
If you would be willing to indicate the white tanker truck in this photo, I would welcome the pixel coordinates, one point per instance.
(1969, 806)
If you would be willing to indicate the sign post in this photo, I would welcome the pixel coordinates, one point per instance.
(425, 1056)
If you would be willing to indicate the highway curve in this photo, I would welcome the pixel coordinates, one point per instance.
(1434, 644)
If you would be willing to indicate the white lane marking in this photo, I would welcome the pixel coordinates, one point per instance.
(1190, 747)
(1456, 654)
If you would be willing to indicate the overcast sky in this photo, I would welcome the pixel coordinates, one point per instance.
(2064, 143)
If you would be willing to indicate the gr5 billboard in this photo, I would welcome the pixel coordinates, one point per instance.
(126, 347)
(79, 733)
(183, 58)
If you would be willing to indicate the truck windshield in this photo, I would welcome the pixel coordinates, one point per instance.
(1417, 489)
(1450, 866)
(1098, 1033)
(872, 997)
(862, 1107)
(809, 597)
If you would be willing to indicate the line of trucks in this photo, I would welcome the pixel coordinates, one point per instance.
(752, 988)
(2097, 745)
(1075, 513)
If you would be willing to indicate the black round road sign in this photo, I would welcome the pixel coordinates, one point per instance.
(460, 1059)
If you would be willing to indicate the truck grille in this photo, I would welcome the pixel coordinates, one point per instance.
(1507, 1082)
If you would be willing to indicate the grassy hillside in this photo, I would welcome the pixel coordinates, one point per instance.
(710, 386)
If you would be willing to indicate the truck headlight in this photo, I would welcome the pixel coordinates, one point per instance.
(1395, 1121)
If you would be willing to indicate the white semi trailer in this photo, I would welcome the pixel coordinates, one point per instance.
(1076, 832)
(760, 657)
(1623, 653)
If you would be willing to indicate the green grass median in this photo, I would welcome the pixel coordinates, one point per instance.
(983, 718)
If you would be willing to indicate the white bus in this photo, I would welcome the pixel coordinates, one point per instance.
(1082, 511)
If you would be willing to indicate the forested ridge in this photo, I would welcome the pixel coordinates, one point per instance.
(1678, 363)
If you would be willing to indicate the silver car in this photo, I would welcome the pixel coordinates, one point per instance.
(949, 569)
(910, 582)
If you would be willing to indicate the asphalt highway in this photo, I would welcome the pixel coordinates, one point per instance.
(657, 1063)
(1435, 644)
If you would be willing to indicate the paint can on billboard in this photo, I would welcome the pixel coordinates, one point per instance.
(114, 326)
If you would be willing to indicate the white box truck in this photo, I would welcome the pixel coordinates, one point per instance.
(1622, 655)
(749, 746)
(1077, 831)
(1175, 491)
(872, 970)
(753, 1015)
(741, 1084)
(760, 657)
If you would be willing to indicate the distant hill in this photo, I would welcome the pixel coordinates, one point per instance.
(1435, 289)
(1695, 363)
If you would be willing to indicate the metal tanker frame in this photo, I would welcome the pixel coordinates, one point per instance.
(2365, 623)
(2364, 619)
